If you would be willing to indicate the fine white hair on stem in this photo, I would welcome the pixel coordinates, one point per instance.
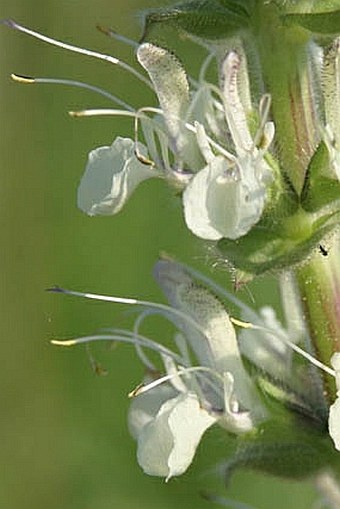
(76, 49)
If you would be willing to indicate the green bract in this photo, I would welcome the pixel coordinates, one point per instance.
(210, 19)
(320, 17)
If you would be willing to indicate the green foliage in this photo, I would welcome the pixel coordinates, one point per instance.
(285, 450)
(319, 188)
(277, 245)
(326, 23)
(207, 19)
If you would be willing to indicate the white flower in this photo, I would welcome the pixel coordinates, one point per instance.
(111, 175)
(198, 138)
(227, 197)
(204, 381)
(168, 421)
(168, 442)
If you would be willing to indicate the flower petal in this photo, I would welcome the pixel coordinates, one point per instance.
(111, 175)
(334, 411)
(216, 347)
(195, 206)
(234, 109)
(221, 201)
(171, 86)
(234, 419)
(167, 445)
(145, 407)
(331, 86)
(266, 350)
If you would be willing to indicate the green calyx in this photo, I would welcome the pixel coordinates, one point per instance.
(277, 242)
(294, 442)
(206, 19)
(319, 17)
(320, 187)
(286, 449)
(219, 19)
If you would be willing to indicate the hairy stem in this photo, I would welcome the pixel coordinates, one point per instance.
(285, 56)
(319, 287)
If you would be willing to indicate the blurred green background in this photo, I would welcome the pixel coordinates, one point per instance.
(64, 439)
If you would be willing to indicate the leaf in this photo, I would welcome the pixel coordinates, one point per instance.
(325, 23)
(319, 189)
(267, 248)
(207, 19)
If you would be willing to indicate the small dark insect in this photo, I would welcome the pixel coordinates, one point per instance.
(323, 250)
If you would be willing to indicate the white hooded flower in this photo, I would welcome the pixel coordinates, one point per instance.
(227, 197)
(168, 442)
(168, 421)
(204, 381)
(198, 138)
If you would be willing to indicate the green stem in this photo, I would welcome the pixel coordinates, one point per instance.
(286, 58)
(286, 67)
(319, 286)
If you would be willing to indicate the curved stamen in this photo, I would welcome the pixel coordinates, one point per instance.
(76, 49)
(121, 337)
(73, 83)
(139, 350)
(179, 340)
(114, 35)
(264, 108)
(213, 143)
(205, 66)
(151, 143)
(287, 342)
(167, 310)
(102, 111)
(141, 389)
